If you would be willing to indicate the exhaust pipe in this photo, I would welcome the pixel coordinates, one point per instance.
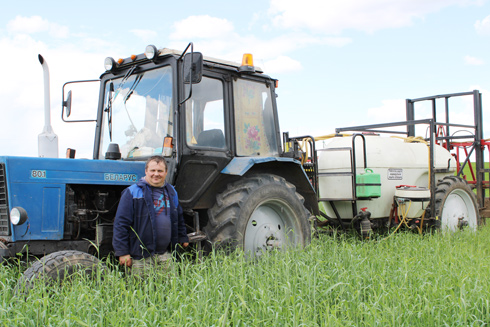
(47, 140)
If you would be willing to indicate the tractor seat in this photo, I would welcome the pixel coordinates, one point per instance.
(212, 138)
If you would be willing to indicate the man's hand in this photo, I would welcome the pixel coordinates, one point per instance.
(125, 260)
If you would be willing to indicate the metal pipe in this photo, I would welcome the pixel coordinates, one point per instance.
(47, 140)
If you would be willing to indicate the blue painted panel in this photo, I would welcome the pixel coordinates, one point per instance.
(73, 171)
(45, 207)
(38, 185)
(240, 165)
(51, 211)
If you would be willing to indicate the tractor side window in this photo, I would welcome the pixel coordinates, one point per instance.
(205, 115)
(254, 119)
(141, 113)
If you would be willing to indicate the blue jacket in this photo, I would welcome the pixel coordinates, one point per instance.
(135, 217)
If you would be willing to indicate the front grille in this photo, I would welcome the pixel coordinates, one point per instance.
(4, 206)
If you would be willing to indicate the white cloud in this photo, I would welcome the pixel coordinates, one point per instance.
(201, 27)
(391, 110)
(23, 96)
(100, 46)
(28, 25)
(332, 17)
(282, 64)
(266, 51)
(483, 27)
(216, 37)
(337, 41)
(58, 31)
(36, 24)
(145, 35)
(469, 60)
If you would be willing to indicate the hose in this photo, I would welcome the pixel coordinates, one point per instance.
(405, 214)
(329, 136)
(304, 144)
(419, 139)
(402, 221)
(304, 147)
(421, 224)
(412, 139)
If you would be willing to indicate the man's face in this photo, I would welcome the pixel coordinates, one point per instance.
(155, 174)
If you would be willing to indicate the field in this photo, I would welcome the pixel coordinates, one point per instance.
(467, 172)
(404, 280)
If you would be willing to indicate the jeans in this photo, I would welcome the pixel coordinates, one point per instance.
(157, 262)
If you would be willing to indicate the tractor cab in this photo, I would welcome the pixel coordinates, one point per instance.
(199, 113)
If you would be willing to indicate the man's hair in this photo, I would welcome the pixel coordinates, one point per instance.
(157, 159)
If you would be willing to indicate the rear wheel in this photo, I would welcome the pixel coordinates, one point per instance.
(258, 213)
(455, 205)
(58, 266)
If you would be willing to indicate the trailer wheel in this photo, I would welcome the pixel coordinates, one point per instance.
(258, 213)
(455, 205)
(59, 266)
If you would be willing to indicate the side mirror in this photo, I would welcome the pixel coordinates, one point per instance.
(67, 104)
(87, 87)
(193, 68)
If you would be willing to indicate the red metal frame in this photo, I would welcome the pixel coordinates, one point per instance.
(485, 144)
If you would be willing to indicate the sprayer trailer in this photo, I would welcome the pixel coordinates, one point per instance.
(369, 181)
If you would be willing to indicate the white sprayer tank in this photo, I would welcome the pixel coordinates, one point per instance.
(396, 161)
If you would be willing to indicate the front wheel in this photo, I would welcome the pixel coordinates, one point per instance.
(58, 266)
(455, 205)
(257, 214)
(2, 247)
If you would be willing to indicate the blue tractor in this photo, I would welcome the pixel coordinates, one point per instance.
(216, 124)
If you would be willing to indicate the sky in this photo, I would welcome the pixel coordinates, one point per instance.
(339, 63)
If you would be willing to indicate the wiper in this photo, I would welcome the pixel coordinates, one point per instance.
(108, 109)
(124, 80)
(133, 87)
(130, 92)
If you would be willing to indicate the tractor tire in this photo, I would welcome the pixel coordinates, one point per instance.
(3, 247)
(455, 205)
(256, 214)
(59, 266)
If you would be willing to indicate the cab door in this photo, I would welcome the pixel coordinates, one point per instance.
(205, 139)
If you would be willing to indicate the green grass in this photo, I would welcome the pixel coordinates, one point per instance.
(405, 280)
(467, 172)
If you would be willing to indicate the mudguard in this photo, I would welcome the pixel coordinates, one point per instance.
(288, 168)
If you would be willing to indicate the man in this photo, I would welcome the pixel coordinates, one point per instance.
(149, 220)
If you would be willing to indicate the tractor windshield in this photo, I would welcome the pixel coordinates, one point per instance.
(254, 119)
(141, 113)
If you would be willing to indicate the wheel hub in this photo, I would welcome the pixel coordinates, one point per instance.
(269, 227)
(458, 211)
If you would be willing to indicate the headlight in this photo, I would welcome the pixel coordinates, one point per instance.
(151, 52)
(109, 64)
(18, 216)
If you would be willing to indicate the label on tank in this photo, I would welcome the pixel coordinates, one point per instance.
(395, 174)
